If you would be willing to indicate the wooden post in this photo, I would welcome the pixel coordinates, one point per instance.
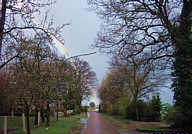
(12, 113)
(39, 118)
(5, 124)
(57, 114)
(23, 122)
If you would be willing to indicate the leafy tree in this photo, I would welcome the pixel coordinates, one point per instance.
(131, 79)
(143, 111)
(34, 76)
(85, 78)
(110, 91)
(141, 79)
(156, 108)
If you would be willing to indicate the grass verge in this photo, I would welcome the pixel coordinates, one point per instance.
(129, 125)
(78, 116)
(116, 118)
(153, 128)
(13, 122)
(164, 130)
(56, 127)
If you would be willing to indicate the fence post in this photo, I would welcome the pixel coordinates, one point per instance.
(5, 124)
(23, 122)
(12, 113)
(39, 118)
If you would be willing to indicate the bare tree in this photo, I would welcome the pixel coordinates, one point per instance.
(142, 27)
(85, 76)
(18, 19)
(139, 26)
(160, 29)
(140, 80)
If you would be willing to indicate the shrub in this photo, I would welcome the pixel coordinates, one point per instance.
(115, 109)
(156, 108)
(84, 108)
(77, 109)
(142, 109)
(174, 117)
(130, 112)
(147, 111)
(123, 103)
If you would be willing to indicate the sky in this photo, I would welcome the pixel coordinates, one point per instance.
(81, 33)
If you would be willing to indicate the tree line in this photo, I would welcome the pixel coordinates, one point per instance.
(38, 78)
(32, 74)
(125, 88)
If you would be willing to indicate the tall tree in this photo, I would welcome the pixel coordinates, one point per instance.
(160, 29)
(142, 79)
(111, 89)
(85, 76)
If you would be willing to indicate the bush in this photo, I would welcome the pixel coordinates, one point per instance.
(174, 117)
(109, 109)
(115, 109)
(123, 103)
(84, 108)
(156, 108)
(147, 111)
(77, 109)
(142, 109)
(130, 112)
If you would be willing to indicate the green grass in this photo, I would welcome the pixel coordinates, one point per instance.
(116, 118)
(154, 128)
(56, 127)
(160, 129)
(15, 122)
(78, 116)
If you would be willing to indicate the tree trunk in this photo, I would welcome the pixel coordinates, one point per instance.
(47, 115)
(5, 125)
(39, 118)
(2, 22)
(57, 114)
(27, 118)
(36, 117)
(12, 113)
(23, 122)
(42, 115)
(136, 111)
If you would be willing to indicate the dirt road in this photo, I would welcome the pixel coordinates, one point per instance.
(97, 124)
